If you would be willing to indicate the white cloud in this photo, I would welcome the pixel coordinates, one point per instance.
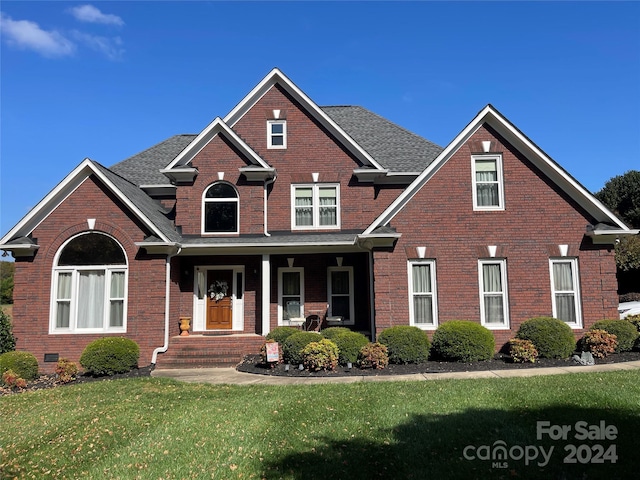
(29, 36)
(90, 14)
(110, 47)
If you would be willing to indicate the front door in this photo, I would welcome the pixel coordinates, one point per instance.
(219, 299)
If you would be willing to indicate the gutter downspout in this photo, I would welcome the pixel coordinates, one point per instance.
(266, 187)
(167, 302)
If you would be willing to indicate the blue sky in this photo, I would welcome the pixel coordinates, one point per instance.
(106, 80)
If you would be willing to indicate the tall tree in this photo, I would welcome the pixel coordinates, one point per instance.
(6, 282)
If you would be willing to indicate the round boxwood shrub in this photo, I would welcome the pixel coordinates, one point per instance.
(294, 344)
(280, 334)
(110, 355)
(349, 344)
(23, 364)
(624, 331)
(405, 344)
(332, 332)
(373, 355)
(322, 355)
(552, 338)
(463, 341)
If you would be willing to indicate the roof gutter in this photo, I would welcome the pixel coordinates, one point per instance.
(267, 182)
(167, 303)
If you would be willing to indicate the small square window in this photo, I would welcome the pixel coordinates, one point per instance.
(277, 134)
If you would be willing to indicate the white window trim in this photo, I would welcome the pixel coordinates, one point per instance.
(434, 296)
(73, 307)
(576, 289)
(315, 206)
(270, 135)
(351, 319)
(500, 182)
(280, 293)
(505, 293)
(206, 200)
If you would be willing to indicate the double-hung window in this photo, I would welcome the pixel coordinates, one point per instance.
(422, 294)
(277, 134)
(315, 206)
(565, 293)
(488, 187)
(494, 307)
(340, 293)
(89, 286)
(291, 295)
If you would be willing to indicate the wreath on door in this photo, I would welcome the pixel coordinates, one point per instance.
(218, 290)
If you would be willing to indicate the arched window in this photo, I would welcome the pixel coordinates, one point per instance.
(90, 286)
(220, 209)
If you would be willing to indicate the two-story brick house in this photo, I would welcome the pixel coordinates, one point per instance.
(283, 209)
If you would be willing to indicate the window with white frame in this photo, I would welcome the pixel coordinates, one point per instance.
(494, 307)
(220, 207)
(565, 292)
(315, 206)
(277, 134)
(422, 294)
(488, 188)
(89, 286)
(340, 293)
(290, 295)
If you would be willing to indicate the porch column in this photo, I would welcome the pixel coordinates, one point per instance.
(266, 293)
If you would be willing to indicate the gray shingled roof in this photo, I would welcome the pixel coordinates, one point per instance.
(144, 167)
(394, 147)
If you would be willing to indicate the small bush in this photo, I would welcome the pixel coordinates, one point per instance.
(405, 344)
(333, 332)
(349, 344)
(263, 353)
(463, 341)
(552, 338)
(294, 344)
(373, 355)
(66, 370)
(522, 351)
(110, 355)
(635, 321)
(23, 364)
(624, 330)
(7, 340)
(599, 342)
(280, 334)
(322, 355)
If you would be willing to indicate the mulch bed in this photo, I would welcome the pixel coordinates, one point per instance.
(252, 364)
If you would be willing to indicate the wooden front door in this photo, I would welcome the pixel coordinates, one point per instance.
(219, 299)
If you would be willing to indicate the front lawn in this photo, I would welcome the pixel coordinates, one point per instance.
(152, 428)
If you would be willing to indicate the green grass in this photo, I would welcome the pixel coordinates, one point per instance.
(161, 429)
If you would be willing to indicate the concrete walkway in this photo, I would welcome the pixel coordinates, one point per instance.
(233, 377)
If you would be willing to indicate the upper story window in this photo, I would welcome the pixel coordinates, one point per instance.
(220, 209)
(89, 286)
(565, 292)
(315, 206)
(422, 294)
(494, 307)
(277, 134)
(488, 188)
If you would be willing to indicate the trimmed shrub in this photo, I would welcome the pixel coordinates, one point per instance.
(635, 320)
(624, 330)
(322, 355)
(66, 370)
(522, 351)
(293, 345)
(110, 355)
(332, 332)
(405, 344)
(373, 355)
(463, 341)
(349, 344)
(552, 338)
(599, 342)
(23, 364)
(280, 334)
(7, 340)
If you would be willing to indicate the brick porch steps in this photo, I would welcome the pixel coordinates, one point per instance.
(200, 351)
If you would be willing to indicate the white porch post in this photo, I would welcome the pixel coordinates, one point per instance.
(266, 293)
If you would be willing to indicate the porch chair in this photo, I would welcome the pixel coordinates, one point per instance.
(313, 323)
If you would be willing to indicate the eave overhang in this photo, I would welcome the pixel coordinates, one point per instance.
(369, 175)
(607, 235)
(181, 175)
(380, 240)
(258, 174)
(21, 247)
(160, 248)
